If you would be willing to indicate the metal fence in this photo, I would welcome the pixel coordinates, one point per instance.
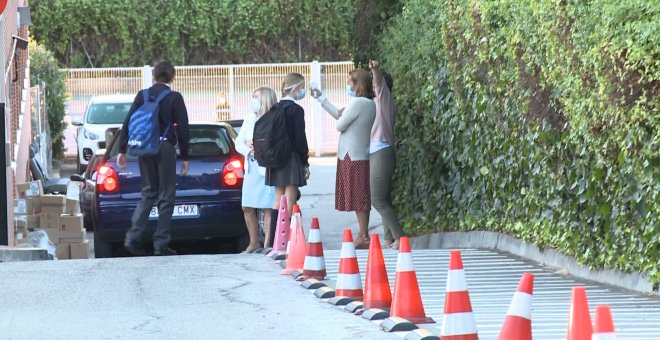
(40, 129)
(219, 92)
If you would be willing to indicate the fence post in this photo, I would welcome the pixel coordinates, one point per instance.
(316, 111)
(147, 77)
(231, 92)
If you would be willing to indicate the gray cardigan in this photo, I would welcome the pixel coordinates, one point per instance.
(355, 125)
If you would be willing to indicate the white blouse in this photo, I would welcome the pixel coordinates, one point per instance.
(244, 135)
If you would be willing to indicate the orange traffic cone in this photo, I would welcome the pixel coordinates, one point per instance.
(458, 319)
(603, 324)
(579, 320)
(377, 293)
(314, 266)
(296, 257)
(292, 226)
(407, 308)
(283, 231)
(349, 281)
(407, 302)
(518, 322)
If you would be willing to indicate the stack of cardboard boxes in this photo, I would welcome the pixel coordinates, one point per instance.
(26, 209)
(58, 215)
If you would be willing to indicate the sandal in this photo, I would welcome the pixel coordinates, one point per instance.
(361, 242)
(394, 245)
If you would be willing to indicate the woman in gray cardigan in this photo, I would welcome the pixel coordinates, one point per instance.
(354, 122)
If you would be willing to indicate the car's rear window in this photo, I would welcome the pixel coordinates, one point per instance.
(107, 113)
(205, 141)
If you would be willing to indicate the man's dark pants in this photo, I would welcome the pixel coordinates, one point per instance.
(158, 175)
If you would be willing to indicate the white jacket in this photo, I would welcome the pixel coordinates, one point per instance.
(244, 135)
(355, 126)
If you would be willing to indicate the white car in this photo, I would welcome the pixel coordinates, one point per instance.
(103, 113)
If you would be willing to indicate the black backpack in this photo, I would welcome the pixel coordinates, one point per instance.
(272, 144)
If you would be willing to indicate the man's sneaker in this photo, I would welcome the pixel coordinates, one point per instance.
(135, 249)
(164, 251)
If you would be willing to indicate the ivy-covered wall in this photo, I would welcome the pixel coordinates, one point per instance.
(537, 118)
(92, 33)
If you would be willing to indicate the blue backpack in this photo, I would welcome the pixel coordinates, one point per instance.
(144, 137)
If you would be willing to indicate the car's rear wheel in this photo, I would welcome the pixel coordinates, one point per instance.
(102, 248)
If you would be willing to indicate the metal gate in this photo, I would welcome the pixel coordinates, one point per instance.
(218, 92)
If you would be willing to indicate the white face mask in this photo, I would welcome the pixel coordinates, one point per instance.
(255, 105)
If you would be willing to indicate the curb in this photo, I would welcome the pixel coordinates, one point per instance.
(566, 265)
(11, 254)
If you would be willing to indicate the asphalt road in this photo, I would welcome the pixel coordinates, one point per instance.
(180, 297)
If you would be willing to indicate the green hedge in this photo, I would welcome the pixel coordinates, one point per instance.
(44, 69)
(86, 33)
(539, 119)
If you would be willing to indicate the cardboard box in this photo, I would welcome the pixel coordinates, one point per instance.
(30, 189)
(21, 236)
(71, 227)
(80, 250)
(63, 251)
(67, 238)
(29, 222)
(32, 222)
(53, 234)
(72, 206)
(52, 202)
(49, 220)
(26, 206)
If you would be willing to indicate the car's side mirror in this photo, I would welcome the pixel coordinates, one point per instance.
(77, 178)
(76, 123)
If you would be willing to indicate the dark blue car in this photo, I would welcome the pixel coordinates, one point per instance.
(208, 199)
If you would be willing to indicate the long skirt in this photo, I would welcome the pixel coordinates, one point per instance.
(352, 192)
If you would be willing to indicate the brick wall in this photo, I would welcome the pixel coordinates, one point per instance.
(14, 85)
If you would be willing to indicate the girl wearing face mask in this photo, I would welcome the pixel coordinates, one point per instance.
(256, 194)
(288, 178)
(354, 122)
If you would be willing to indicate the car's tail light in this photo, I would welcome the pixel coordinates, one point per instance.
(106, 180)
(232, 173)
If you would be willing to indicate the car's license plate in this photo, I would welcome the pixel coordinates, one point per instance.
(187, 210)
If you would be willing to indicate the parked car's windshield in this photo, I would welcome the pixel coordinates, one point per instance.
(107, 113)
(205, 141)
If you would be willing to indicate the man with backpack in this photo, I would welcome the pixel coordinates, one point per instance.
(157, 120)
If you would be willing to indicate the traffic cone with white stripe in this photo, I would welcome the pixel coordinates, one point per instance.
(407, 308)
(458, 320)
(579, 319)
(603, 324)
(518, 322)
(295, 258)
(314, 266)
(283, 231)
(349, 281)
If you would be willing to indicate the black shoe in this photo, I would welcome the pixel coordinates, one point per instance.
(135, 249)
(164, 251)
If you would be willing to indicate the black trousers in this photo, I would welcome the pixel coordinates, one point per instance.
(158, 176)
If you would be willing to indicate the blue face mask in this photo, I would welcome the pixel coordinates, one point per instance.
(301, 94)
(350, 92)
